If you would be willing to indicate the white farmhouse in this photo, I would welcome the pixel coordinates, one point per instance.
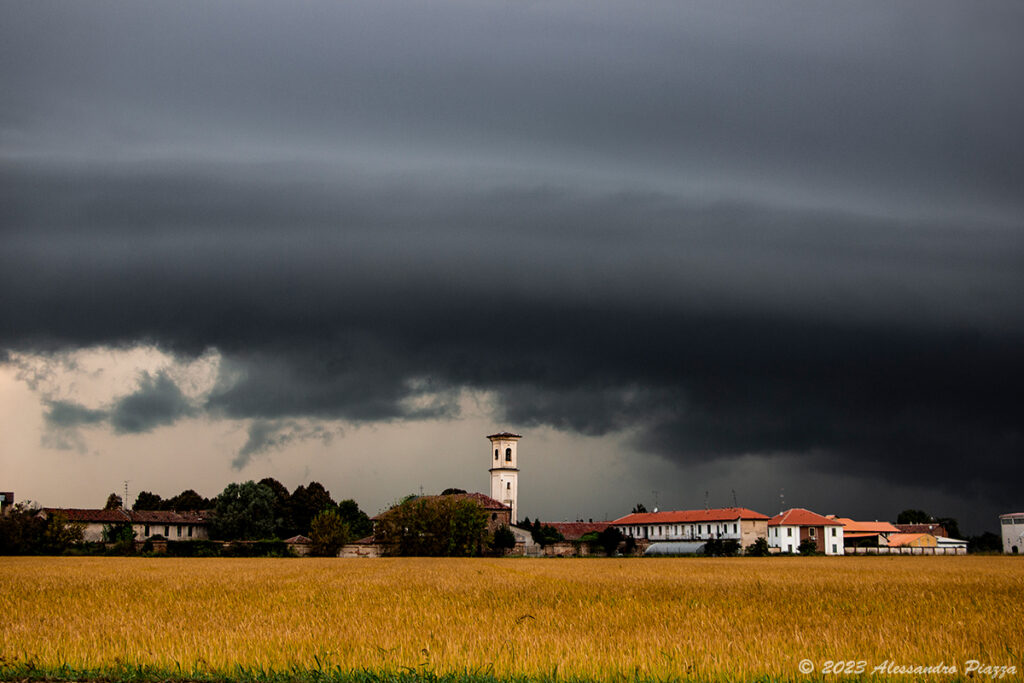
(788, 529)
(1012, 527)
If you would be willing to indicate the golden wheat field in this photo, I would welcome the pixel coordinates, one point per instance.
(723, 619)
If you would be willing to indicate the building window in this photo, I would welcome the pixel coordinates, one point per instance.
(833, 532)
(734, 528)
(179, 530)
(811, 531)
(789, 531)
(834, 552)
(167, 531)
(190, 531)
(494, 515)
(147, 531)
(495, 453)
(508, 455)
(508, 486)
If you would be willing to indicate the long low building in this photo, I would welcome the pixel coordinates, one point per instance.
(739, 524)
(172, 526)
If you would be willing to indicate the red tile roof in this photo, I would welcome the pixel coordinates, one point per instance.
(684, 516)
(137, 517)
(167, 517)
(573, 531)
(299, 540)
(87, 515)
(802, 517)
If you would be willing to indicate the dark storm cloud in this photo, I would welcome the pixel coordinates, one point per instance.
(795, 229)
(67, 414)
(156, 402)
(266, 435)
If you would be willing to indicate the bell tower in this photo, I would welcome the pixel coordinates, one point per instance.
(505, 470)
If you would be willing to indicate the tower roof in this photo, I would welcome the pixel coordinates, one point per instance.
(504, 435)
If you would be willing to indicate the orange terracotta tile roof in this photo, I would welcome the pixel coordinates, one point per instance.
(876, 527)
(802, 517)
(685, 516)
(904, 539)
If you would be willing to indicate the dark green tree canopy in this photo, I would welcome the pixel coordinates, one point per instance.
(284, 525)
(243, 512)
(639, 507)
(329, 533)
(24, 531)
(307, 502)
(914, 517)
(504, 540)
(113, 502)
(359, 523)
(188, 500)
(434, 526)
(148, 501)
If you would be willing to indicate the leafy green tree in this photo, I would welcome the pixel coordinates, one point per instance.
(329, 532)
(504, 540)
(639, 507)
(25, 531)
(545, 534)
(113, 502)
(284, 525)
(807, 547)
(434, 526)
(243, 512)
(451, 492)
(610, 539)
(148, 501)
(308, 501)
(122, 535)
(359, 523)
(759, 548)
(987, 542)
(187, 500)
(58, 534)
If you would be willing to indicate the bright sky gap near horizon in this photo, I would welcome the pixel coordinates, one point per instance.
(691, 248)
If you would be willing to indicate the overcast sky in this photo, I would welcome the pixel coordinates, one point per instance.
(764, 252)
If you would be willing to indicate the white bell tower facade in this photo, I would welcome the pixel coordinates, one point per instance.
(505, 470)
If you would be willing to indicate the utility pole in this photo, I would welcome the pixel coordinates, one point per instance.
(124, 501)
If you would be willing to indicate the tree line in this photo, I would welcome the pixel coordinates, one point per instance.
(249, 511)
